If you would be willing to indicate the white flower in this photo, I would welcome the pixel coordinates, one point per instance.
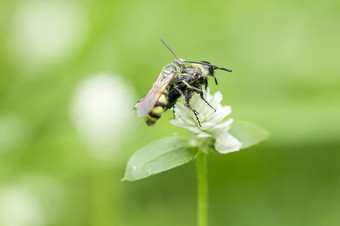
(213, 128)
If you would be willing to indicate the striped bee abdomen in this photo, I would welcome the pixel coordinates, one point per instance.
(157, 111)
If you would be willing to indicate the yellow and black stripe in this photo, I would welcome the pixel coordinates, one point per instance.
(159, 108)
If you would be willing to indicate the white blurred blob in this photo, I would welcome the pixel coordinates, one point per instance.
(45, 31)
(33, 200)
(102, 112)
(19, 207)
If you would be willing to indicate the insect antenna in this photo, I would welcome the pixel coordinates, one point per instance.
(208, 64)
(222, 68)
(170, 49)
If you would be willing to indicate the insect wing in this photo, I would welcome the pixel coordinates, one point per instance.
(145, 105)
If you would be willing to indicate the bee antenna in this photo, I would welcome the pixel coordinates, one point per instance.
(196, 62)
(208, 64)
(170, 49)
(222, 68)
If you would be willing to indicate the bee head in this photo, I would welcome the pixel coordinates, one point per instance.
(210, 67)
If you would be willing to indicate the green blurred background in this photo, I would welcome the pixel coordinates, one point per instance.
(71, 72)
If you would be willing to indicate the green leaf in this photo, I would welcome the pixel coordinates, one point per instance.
(159, 156)
(248, 134)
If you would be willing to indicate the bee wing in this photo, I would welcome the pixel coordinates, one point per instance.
(145, 105)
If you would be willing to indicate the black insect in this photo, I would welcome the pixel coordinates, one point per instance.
(174, 81)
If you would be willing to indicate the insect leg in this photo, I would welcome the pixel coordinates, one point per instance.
(200, 91)
(186, 99)
(202, 97)
(205, 83)
(193, 88)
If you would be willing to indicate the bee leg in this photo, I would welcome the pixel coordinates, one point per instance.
(173, 111)
(202, 97)
(186, 101)
(200, 91)
(192, 88)
(195, 113)
(205, 83)
(187, 97)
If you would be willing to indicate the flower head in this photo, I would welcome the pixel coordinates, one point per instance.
(213, 129)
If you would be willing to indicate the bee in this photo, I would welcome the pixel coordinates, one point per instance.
(174, 81)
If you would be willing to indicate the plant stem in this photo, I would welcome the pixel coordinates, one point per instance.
(202, 189)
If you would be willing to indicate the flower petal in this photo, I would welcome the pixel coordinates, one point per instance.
(194, 129)
(219, 115)
(180, 109)
(226, 143)
(203, 134)
(225, 126)
(216, 98)
(178, 122)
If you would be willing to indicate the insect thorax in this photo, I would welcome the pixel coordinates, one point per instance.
(169, 70)
(180, 63)
(198, 70)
